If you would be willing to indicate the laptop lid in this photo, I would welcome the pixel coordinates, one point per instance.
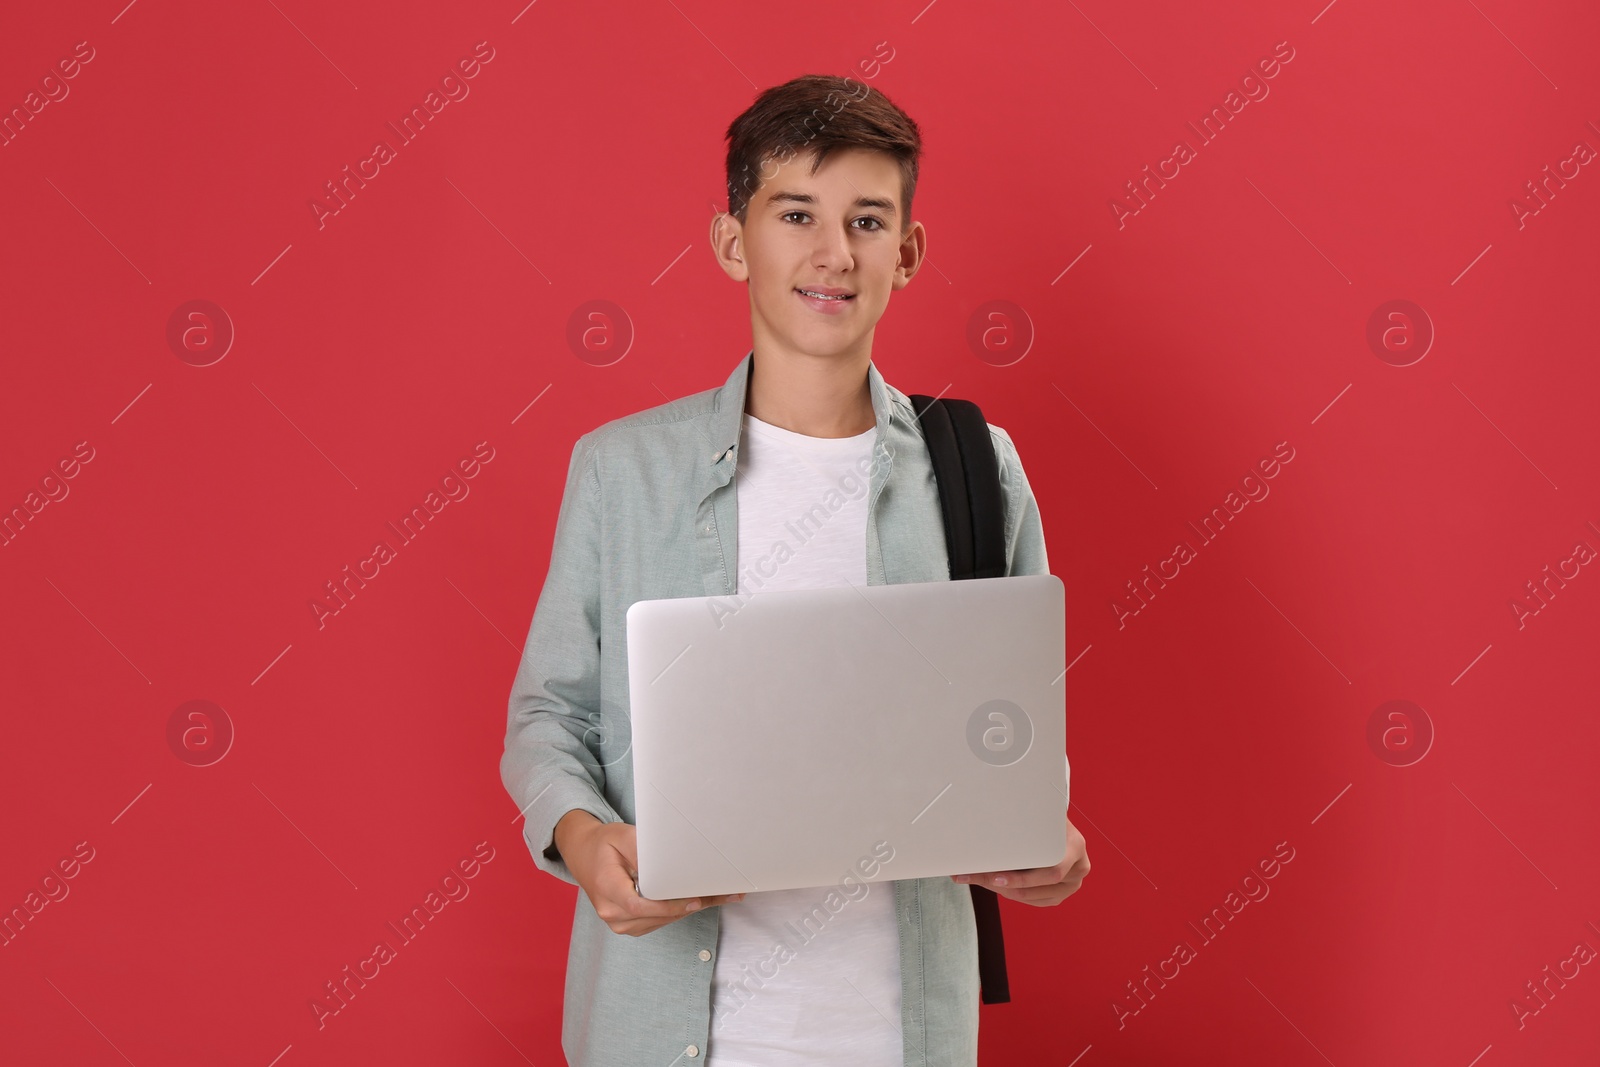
(793, 738)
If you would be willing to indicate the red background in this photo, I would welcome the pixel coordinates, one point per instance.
(375, 351)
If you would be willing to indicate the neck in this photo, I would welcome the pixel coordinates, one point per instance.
(811, 395)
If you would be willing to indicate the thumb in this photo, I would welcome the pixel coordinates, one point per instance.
(620, 860)
(624, 837)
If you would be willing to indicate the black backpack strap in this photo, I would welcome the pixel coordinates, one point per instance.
(992, 980)
(973, 507)
(940, 433)
(968, 474)
(986, 502)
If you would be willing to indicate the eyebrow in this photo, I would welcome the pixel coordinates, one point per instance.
(787, 197)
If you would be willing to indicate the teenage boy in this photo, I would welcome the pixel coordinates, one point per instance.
(804, 469)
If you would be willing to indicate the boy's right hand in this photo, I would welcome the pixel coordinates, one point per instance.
(604, 859)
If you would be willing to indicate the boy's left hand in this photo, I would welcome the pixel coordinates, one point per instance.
(1043, 887)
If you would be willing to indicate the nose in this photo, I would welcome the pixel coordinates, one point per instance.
(832, 251)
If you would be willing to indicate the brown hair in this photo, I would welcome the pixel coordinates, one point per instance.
(819, 113)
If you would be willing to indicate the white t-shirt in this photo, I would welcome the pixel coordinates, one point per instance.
(791, 988)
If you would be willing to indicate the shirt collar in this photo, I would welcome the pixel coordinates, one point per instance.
(727, 412)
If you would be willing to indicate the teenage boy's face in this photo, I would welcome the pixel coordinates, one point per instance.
(841, 231)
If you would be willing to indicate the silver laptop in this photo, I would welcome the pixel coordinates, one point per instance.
(804, 737)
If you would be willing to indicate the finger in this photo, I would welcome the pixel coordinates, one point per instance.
(1052, 893)
(1034, 876)
(682, 903)
(626, 843)
(689, 904)
(676, 906)
(1041, 896)
(617, 884)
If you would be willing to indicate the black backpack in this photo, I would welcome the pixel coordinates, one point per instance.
(968, 473)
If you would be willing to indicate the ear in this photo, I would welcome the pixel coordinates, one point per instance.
(727, 244)
(913, 252)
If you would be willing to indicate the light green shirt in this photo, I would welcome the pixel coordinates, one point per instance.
(649, 511)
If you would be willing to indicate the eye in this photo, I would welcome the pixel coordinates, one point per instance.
(877, 223)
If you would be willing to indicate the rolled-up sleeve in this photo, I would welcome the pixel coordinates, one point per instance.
(1025, 551)
(553, 717)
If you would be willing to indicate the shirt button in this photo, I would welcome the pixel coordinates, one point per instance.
(692, 1051)
(705, 954)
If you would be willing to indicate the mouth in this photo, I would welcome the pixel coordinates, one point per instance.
(826, 300)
